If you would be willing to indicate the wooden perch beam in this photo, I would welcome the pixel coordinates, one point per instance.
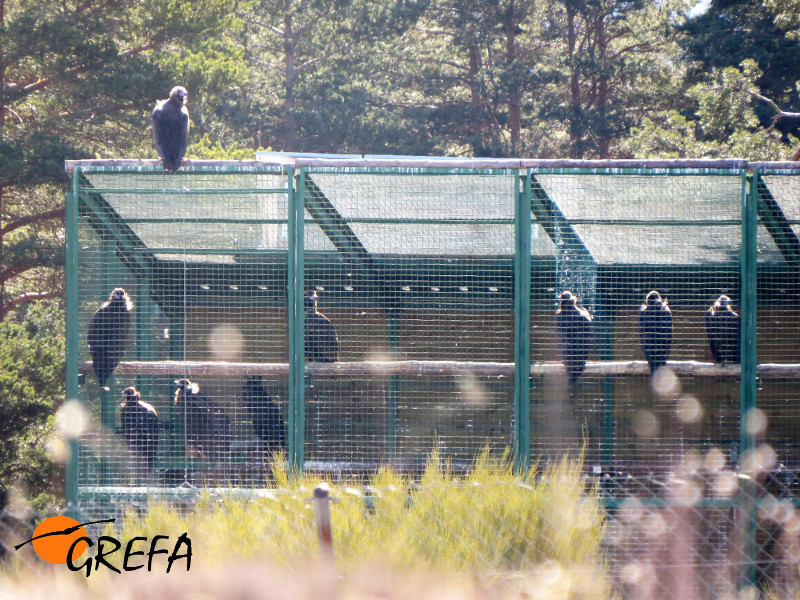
(435, 368)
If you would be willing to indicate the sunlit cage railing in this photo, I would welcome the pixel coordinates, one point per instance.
(440, 280)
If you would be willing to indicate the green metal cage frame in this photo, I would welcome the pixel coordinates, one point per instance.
(531, 203)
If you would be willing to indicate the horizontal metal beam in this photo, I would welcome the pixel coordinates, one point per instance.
(770, 168)
(154, 165)
(184, 191)
(370, 221)
(281, 160)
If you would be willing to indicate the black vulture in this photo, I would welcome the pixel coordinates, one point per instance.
(655, 330)
(108, 333)
(321, 343)
(574, 327)
(139, 422)
(206, 427)
(267, 422)
(723, 327)
(171, 128)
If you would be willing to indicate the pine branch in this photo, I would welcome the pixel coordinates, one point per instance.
(18, 268)
(27, 298)
(779, 114)
(42, 83)
(56, 213)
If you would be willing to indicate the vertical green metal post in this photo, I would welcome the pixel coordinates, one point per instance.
(296, 295)
(394, 338)
(749, 278)
(749, 359)
(522, 321)
(72, 337)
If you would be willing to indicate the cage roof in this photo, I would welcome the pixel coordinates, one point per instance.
(654, 219)
(785, 189)
(621, 213)
(195, 216)
(431, 215)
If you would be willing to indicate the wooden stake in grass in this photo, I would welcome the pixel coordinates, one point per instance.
(322, 508)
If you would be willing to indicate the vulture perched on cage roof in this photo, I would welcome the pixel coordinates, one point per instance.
(108, 333)
(321, 343)
(574, 329)
(139, 422)
(267, 422)
(206, 427)
(171, 128)
(723, 327)
(655, 330)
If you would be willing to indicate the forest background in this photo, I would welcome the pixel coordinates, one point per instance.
(514, 78)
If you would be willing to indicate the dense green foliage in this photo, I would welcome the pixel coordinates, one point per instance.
(543, 78)
(734, 32)
(31, 388)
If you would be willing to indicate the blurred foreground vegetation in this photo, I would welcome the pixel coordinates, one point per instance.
(487, 534)
(489, 519)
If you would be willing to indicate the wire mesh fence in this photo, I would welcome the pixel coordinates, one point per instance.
(619, 238)
(415, 277)
(184, 251)
(358, 314)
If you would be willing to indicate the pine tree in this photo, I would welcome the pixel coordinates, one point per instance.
(78, 80)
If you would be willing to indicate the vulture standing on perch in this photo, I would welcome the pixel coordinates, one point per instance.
(267, 422)
(206, 427)
(723, 327)
(321, 343)
(574, 328)
(171, 128)
(139, 425)
(655, 330)
(108, 333)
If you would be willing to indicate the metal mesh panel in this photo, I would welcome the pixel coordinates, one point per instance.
(662, 437)
(774, 422)
(619, 237)
(198, 255)
(778, 293)
(420, 275)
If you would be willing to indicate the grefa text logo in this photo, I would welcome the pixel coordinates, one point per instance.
(63, 540)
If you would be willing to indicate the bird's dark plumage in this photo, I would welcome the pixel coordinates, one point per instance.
(321, 343)
(108, 333)
(171, 128)
(267, 422)
(723, 327)
(574, 327)
(139, 422)
(655, 330)
(206, 427)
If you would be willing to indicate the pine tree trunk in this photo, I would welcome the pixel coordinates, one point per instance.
(290, 134)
